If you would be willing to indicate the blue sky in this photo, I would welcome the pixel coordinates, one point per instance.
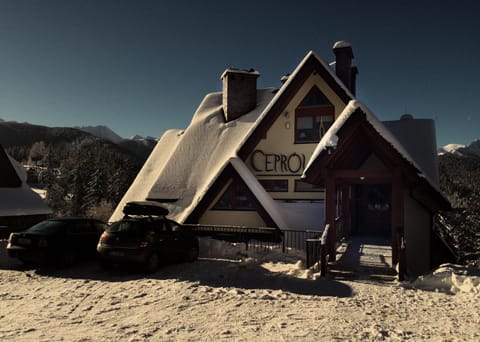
(142, 67)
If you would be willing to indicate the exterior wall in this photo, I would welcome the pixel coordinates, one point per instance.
(308, 215)
(280, 157)
(418, 221)
(232, 218)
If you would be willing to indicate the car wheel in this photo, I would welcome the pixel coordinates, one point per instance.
(192, 254)
(152, 263)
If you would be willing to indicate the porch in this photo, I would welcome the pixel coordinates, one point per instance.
(364, 256)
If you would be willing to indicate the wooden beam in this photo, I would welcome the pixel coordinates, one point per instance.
(361, 176)
(330, 199)
(397, 214)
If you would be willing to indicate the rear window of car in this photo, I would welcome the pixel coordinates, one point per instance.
(47, 227)
(126, 227)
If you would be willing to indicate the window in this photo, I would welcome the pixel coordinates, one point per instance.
(301, 186)
(275, 185)
(313, 117)
(236, 197)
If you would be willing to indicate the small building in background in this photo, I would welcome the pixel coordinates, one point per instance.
(20, 206)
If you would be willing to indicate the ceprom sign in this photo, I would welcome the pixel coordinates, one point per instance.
(262, 162)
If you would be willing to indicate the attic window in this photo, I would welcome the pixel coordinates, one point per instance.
(313, 117)
(236, 197)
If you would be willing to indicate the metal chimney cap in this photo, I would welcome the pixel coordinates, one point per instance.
(342, 44)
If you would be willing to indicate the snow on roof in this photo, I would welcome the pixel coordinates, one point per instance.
(268, 203)
(185, 169)
(251, 72)
(352, 106)
(341, 44)
(150, 171)
(21, 201)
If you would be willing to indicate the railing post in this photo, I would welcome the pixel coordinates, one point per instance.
(402, 257)
(401, 247)
(323, 251)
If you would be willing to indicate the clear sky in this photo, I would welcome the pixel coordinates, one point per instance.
(142, 67)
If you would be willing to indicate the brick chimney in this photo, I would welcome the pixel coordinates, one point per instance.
(344, 69)
(239, 92)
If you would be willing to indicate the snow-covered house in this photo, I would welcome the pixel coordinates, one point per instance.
(20, 206)
(295, 158)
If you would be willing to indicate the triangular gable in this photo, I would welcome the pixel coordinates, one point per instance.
(312, 63)
(236, 168)
(8, 175)
(363, 121)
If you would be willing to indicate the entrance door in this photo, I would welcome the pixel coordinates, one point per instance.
(373, 208)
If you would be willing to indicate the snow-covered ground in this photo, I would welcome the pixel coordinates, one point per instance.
(232, 295)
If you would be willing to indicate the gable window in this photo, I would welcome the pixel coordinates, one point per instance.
(275, 185)
(236, 197)
(313, 117)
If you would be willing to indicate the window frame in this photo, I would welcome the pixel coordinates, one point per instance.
(265, 184)
(233, 190)
(315, 188)
(315, 106)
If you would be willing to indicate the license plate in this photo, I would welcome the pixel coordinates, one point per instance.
(24, 241)
(117, 254)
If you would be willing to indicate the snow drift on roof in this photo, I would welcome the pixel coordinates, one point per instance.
(150, 171)
(185, 170)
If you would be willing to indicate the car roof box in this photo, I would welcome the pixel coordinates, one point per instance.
(147, 208)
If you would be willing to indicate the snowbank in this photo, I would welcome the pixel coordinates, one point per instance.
(234, 297)
(450, 278)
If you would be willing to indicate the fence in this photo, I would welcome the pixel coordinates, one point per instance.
(291, 240)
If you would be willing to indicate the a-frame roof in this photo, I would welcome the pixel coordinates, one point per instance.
(325, 154)
(182, 169)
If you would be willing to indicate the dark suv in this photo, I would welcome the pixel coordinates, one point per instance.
(147, 241)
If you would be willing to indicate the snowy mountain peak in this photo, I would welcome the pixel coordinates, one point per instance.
(451, 149)
(102, 132)
(472, 149)
(141, 138)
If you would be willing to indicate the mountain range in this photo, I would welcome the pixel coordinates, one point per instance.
(472, 150)
(24, 134)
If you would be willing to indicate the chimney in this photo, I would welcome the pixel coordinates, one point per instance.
(344, 69)
(239, 92)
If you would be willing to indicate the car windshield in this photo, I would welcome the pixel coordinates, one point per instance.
(49, 227)
(126, 227)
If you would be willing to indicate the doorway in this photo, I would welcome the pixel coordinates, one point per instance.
(373, 209)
